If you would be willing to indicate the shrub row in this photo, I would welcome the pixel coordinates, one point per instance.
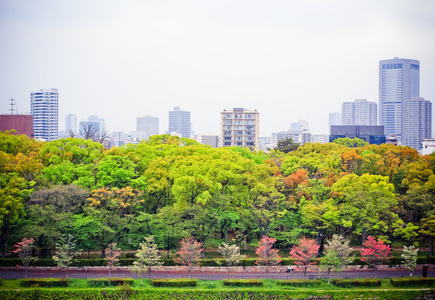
(412, 281)
(98, 262)
(101, 282)
(242, 282)
(368, 282)
(166, 294)
(44, 282)
(299, 282)
(179, 282)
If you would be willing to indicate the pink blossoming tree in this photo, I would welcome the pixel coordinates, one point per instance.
(266, 256)
(305, 253)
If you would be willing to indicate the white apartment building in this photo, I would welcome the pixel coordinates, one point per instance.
(44, 106)
(240, 127)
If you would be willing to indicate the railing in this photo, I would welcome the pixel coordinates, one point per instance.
(18, 274)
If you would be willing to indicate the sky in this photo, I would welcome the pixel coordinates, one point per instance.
(289, 60)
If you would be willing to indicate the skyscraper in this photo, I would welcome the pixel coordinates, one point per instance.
(417, 122)
(399, 80)
(150, 124)
(359, 112)
(179, 122)
(44, 106)
(334, 119)
(71, 124)
(240, 127)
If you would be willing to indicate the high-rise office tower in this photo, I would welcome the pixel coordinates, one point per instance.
(179, 122)
(240, 127)
(44, 106)
(360, 112)
(150, 124)
(334, 119)
(417, 122)
(71, 124)
(399, 80)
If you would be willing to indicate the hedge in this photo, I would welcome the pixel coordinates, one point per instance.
(178, 282)
(412, 281)
(368, 282)
(101, 282)
(243, 282)
(44, 282)
(430, 260)
(166, 294)
(299, 282)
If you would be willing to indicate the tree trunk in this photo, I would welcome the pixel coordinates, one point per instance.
(431, 246)
(103, 252)
(363, 235)
(3, 238)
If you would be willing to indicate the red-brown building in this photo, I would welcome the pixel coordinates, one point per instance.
(23, 124)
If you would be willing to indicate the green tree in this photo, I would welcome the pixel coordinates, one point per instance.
(409, 256)
(231, 255)
(337, 254)
(13, 191)
(366, 203)
(50, 213)
(147, 257)
(351, 143)
(66, 252)
(287, 145)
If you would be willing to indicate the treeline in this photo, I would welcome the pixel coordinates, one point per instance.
(173, 188)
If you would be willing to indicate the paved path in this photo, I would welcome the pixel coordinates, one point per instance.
(57, 273)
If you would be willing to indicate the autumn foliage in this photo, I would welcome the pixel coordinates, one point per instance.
(305, 253)
(375, 252)
(267, 256)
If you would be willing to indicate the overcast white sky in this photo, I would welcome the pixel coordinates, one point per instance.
(290, 60)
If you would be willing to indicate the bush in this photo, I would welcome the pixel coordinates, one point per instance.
(412, 281)
(44, 282)
(179, 282)
(368, 282)
(299, 282)
(242, 282)
(130, 255)
(102, 282)
(431, 259)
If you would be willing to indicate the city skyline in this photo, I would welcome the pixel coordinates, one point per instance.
(288, 60)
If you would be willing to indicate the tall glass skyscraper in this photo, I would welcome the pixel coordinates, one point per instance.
(44, 106)
(399, 80)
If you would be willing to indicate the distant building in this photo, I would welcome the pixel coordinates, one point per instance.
(179, 122)
(208, 139)
(240, 127)
(334, 119)
(97, 123)
(359, 112)
(427, 147)
(44, 106)
(391, 140)
(300, 125)
(150, 124)
(319, 138)
(71, 124)
(23, 124)
(370, 134)
(417, 122)
(301, 137)
(399, 80)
